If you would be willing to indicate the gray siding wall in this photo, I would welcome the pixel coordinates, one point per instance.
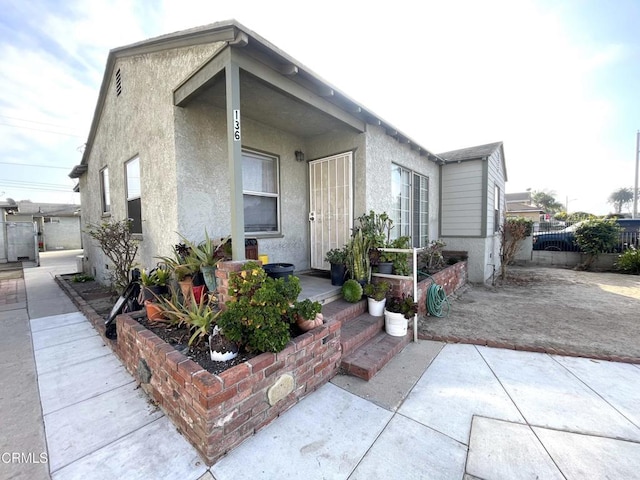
(462, 192)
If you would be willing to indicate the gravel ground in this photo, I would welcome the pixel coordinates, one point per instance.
(547, 309)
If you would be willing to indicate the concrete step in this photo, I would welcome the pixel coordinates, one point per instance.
(358, 331)
(371, 357)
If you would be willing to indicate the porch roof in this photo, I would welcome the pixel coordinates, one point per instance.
(296, 83)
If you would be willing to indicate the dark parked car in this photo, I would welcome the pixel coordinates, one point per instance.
(565, 241)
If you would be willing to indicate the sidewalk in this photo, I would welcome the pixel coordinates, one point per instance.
(436, 411)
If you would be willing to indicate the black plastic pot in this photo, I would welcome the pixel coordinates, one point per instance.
(338, 274)
(279, 270)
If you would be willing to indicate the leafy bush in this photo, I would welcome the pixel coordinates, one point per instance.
(512, 232)
(259, 318)
(629, 261)
(352, 291)
(595, 237)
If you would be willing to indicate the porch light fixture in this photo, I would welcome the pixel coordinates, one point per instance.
(299, 156)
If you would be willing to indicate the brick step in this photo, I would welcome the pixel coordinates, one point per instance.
(343, 311)
(369, 359)
(358, 331)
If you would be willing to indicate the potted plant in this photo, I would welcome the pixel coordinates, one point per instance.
(397, 313)
(358, 261)
(352, 291)
(337, 257)
(154, 283)
(208, 254)
(199, 316)
(307, 314)
(183, 265)
(376, 294)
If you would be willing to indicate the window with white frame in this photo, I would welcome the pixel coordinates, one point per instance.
(104, 190)
(410, 205)
(134, 211)
(261, 193)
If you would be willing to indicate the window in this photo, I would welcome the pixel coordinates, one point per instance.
(496, 208)
(260, 180)
(410, 207)
(134, 212)
(104, 190)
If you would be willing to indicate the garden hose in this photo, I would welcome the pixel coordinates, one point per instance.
(436, 299)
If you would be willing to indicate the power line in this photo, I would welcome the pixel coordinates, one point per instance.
(32, 165)
(34, 121)
(42, 130)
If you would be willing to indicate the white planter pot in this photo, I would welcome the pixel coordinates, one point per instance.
(395, 324)
(376, 308)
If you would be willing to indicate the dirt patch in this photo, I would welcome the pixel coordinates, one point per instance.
(584, 313)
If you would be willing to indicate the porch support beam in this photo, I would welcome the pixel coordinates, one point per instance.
(234, 142)
(202, 78)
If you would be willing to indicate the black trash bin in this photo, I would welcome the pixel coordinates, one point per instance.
(279, 270)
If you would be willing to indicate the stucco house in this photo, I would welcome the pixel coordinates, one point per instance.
(215, 128)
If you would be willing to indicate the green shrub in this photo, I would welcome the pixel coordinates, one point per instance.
(260, 317)
(352, 291)
(595, 237)
(629, 261)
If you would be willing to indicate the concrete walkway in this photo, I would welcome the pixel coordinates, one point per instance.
(436, 411)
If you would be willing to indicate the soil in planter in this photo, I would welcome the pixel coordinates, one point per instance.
(178, 338)
(101, 299)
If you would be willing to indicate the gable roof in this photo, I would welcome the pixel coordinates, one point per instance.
(471, 153)
(480, 152)
(234, 33)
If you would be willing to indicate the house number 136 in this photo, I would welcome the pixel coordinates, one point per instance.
(236, 125)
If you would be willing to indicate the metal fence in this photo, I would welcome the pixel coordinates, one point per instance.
(560, 236)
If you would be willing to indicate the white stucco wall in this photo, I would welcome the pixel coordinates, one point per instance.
(382, 151)
(139, 122)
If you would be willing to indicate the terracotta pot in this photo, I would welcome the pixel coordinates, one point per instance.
(306, 325)
(186, 287)
(154, 312)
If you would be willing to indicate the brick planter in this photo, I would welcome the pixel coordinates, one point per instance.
(450, 278)
(217, 412)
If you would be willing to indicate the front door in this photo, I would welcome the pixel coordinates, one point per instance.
(331, 205)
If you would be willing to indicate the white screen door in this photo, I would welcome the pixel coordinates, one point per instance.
(331, 204)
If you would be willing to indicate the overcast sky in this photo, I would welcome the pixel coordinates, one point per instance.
(557, 81)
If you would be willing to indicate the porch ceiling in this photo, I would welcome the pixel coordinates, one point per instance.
(266, 104)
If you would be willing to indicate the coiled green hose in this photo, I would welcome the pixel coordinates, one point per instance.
(437, 299)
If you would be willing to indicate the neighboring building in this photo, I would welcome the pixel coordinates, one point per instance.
(215, 128)
(57, 224)
(472, 205)
(520, 205)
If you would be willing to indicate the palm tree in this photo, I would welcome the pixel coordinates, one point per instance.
(546, 201)
(620, 198)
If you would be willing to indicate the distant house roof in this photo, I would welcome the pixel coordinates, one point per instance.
(48, 209)
(514, 207)
(521, 197)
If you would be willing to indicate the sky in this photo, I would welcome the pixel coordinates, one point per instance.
(558, 81)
